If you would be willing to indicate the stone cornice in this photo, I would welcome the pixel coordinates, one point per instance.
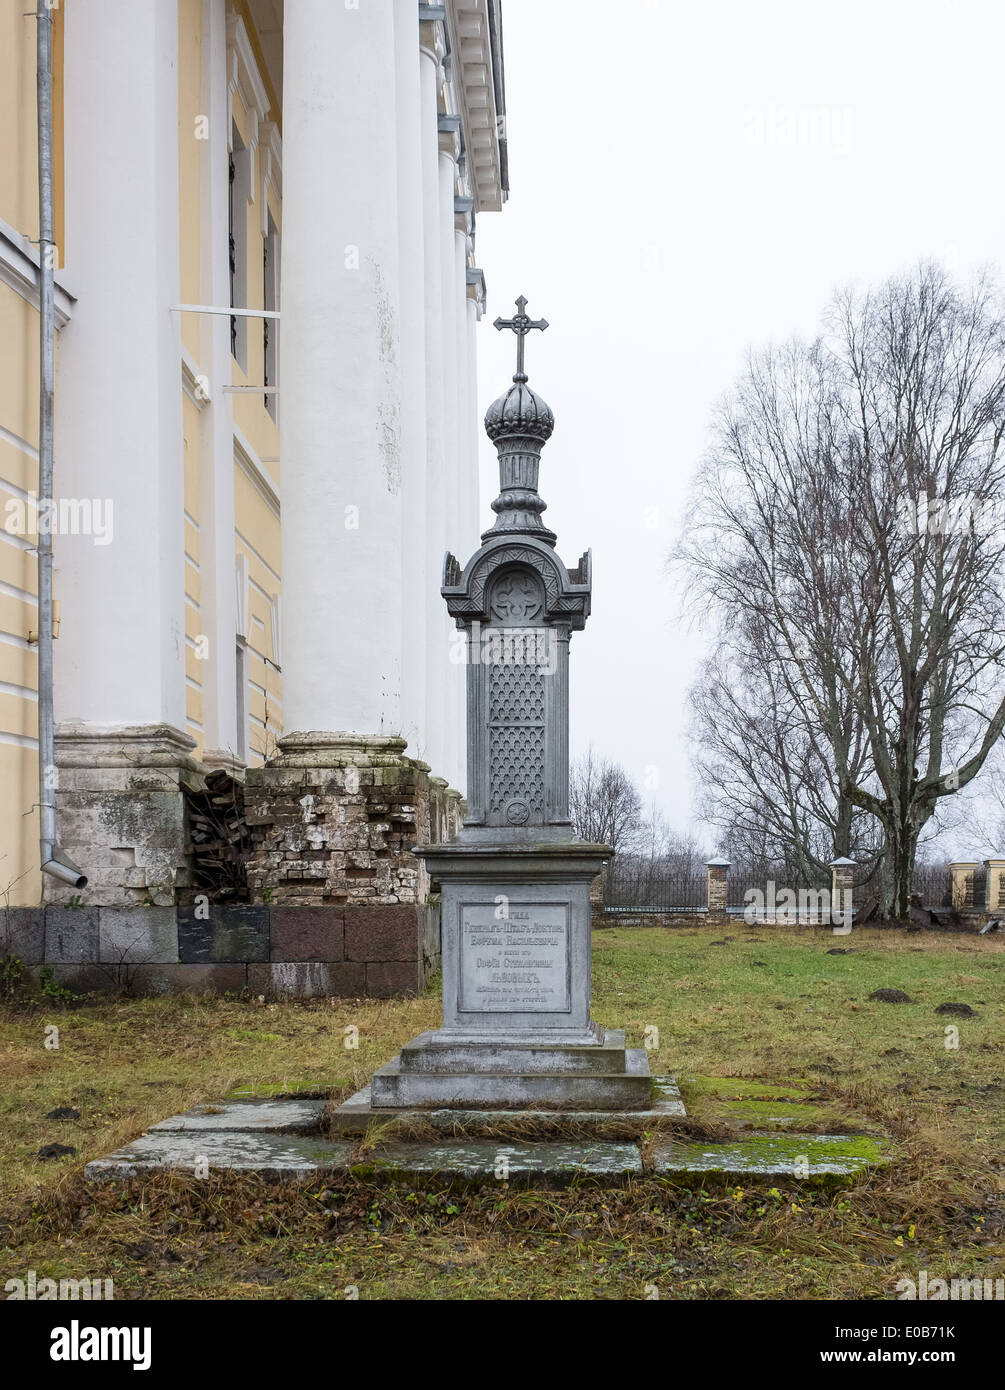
(476, 83)
(244, 77)
(251, 465)
(19, 269)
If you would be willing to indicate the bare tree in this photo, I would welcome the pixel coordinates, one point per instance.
(766, 783)
(604, 804)
(842, 528)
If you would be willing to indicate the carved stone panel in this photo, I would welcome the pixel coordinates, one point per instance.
(516, 745)
(515, 699)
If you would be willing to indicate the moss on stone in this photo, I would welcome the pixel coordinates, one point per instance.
(307, 1088)
(816, 1159)
(743, 1088)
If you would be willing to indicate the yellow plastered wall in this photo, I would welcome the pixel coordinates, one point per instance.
(18, 119)
(19, 165)
(20, 881)
(256, 521)
(257, 540)
(193, 583)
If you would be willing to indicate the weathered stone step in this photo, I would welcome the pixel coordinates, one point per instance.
(292, 1115)
(431, 1053)
(631, 1089)
(356, 1115)
(200, 1154)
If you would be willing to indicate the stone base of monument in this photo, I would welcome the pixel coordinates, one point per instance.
(444, 1070)
(298, 1138)
(516, 986)
(358, 1114)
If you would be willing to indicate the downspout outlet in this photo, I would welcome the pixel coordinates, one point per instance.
(61, 866)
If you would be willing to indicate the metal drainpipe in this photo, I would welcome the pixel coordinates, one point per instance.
(53, 860)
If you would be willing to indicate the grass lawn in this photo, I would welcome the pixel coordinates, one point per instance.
(769, 1003)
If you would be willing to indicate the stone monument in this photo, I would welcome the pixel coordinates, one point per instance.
(515, 881)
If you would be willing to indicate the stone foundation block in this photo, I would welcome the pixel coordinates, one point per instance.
(393, 1088)
(82, 976)
(390, 932)
(188, 979)
(22, 933)
(308, 934)
(119, 791)
(307, 979)
(138, 934)
(71, 934)
(384, 979)
(228, 934)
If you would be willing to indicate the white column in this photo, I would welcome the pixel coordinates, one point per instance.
(474, 417)
(448, 291)
(457, 542)
(467, 538)
(467, 459)
(438, 627)
(216, 521)
(341, 404)
(416, 579)
(120, 657)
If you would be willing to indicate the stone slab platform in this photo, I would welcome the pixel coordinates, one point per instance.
(272, 1156)
(485, 1160)
(815, 1157)
(291, 1115)
(281, 1139)
(356, 1115)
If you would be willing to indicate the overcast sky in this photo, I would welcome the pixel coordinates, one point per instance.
(688, 181)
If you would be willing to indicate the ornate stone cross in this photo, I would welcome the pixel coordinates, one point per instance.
(521, 326)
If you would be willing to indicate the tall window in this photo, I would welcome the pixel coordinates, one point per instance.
(270, 327)
(240, 189)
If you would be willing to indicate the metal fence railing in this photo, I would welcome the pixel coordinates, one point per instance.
(933, 885)
(631, 886)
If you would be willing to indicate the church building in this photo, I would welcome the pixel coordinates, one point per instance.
(267, 296)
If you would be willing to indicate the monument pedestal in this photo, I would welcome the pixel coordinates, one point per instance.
(515, 882)
(516, 989)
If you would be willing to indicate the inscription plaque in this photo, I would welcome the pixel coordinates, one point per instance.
(514, 964)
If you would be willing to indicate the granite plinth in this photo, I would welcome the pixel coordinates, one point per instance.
(602, 1052)
(355, 1115)
(627, 1088)
(516, 1026)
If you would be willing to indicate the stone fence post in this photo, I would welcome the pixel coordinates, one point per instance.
(597, 894)
(962, 871)
(842, 885)
(717, 889)
(994, 892)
